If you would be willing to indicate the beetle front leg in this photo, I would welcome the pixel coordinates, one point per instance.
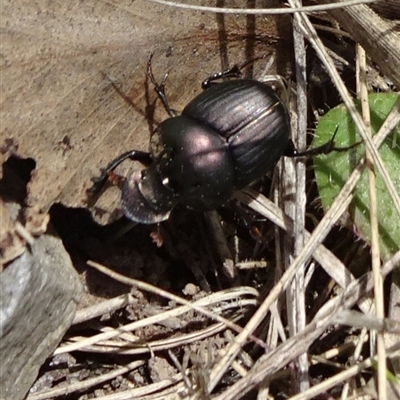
(135, 155)
(160, 88)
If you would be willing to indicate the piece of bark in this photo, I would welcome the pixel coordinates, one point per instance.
(378, 38)
(12, 245)
(389, 9)
(39, 292)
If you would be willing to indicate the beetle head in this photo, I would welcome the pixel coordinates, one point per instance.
(145, 197)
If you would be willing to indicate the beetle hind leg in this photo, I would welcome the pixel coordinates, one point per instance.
(325, 148)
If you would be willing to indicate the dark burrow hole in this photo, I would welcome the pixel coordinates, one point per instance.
(16, 176)
(133, 254)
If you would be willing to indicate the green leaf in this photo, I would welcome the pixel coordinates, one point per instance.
(332, 170)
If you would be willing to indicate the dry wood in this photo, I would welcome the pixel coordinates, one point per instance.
(378, 38)
(389, 9)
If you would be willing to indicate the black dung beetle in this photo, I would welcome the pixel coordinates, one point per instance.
(227, 137)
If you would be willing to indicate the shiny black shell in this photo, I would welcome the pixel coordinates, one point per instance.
(251, 118)
(227, 137)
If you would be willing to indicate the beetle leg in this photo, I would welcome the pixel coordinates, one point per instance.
(326, 148)
(247, 222)
(234, 72)
(291, 150)
(160, 88)
(134, 155)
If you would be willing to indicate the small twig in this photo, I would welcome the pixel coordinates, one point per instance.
(198, 306)
(106, 306)
(375, 251)
(262, 11)
(297, 297)
(87, 383)
(287, 351)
